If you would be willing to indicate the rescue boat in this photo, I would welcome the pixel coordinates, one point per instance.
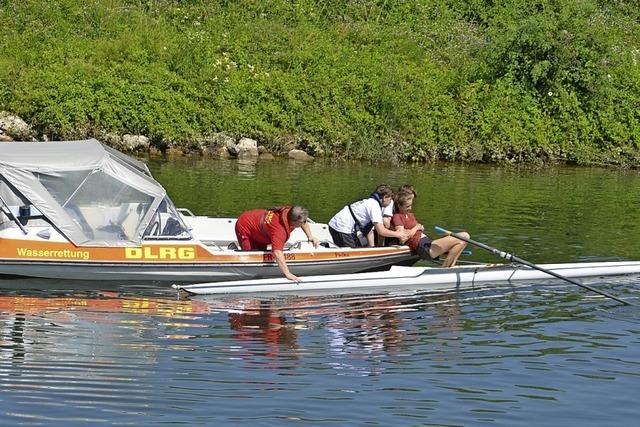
(82, 211)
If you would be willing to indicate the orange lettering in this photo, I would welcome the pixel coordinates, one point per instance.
(268, 217)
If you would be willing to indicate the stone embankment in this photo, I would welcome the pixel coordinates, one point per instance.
(219, 145)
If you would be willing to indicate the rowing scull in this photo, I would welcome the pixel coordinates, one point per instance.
(427, 278)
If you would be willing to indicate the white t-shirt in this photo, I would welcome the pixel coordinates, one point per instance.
(388, 210)
(366, 211)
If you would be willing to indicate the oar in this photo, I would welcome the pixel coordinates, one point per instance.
(511, 257)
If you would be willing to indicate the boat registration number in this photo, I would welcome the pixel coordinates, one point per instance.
(268, 257)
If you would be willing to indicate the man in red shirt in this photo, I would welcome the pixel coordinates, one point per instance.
(258, 228)
(420, 243)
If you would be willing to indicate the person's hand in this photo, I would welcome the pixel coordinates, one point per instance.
(315, 241)
(407, 234)
(293, 278)
(420, 227)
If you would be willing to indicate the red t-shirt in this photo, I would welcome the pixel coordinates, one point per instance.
(257, 228)
(408, 221)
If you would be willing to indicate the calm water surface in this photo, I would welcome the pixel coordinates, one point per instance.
(534, 355)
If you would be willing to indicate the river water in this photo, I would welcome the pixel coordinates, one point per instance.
(549, 354)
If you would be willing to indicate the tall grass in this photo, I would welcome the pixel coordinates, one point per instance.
(408, 80)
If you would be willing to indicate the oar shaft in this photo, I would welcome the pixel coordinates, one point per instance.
(511, 257)
(559, 276)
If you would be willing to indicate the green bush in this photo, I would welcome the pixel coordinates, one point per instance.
(415, 80)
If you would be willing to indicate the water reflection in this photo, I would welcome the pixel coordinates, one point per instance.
(36, 327)
(362, 329)
(113, 356)
(103, 301)
(261, 320)
(354, 328)
(247, 169)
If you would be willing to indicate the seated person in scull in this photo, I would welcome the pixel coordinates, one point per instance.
(364, 216)
(422, 244)
(255, 229)
(390, 209)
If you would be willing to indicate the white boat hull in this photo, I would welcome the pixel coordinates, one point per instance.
(436, 279)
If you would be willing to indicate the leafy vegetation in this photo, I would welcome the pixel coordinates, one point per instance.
(471, 80)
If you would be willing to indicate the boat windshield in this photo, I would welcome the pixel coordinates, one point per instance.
(166, 223)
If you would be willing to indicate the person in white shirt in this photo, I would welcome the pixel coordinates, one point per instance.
(361, 218)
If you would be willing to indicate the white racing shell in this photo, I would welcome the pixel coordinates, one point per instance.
(427, 278)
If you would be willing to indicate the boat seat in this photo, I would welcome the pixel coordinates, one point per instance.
(172, 227)
(328, 244)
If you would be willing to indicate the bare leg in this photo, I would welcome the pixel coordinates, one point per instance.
(451, 246)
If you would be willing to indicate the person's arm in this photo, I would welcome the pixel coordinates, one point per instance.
(370, 239)
(282, 263)
(404, 234)
(307, 230)
(410, 232)
(386, 220)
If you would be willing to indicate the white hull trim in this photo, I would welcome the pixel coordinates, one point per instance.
(428, 278)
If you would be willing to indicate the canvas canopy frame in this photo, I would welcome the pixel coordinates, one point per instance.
(94, 195)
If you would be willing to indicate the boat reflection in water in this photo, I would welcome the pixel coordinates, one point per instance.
(104, 327)
(104, 302)
(260, 320)
(355, 328)
(100, 324)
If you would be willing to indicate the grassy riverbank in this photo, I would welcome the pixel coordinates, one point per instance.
(523, 80)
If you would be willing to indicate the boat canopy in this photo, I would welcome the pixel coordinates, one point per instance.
(93, 194)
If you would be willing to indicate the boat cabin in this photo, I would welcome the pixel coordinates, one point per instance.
(89, 193)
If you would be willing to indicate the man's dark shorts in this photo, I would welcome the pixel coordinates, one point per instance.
(345, 240)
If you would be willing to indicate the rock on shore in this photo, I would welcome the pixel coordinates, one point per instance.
(217, 145)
